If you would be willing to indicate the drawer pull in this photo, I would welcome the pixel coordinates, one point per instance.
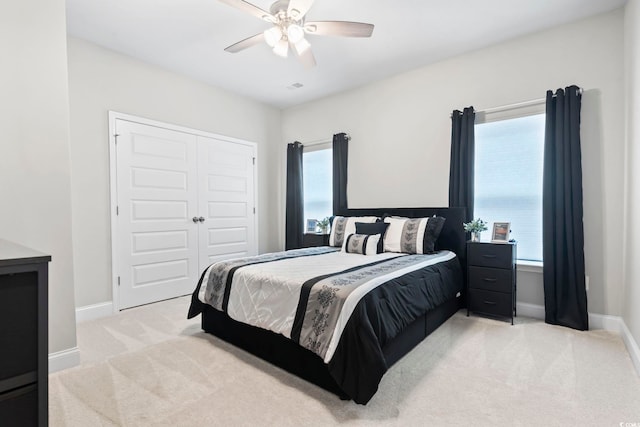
(490, 302)
(488, 256)
(490, 279)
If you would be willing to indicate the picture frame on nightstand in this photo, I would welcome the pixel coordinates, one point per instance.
(312, 224)
(501, 232)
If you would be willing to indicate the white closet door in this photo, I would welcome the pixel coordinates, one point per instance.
(157, 201)
(227, 200)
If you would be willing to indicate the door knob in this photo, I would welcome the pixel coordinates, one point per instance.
(195, 219)
(201, 219)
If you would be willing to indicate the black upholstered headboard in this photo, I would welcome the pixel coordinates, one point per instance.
(452, 237)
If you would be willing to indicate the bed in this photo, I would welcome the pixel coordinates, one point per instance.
(344, 347)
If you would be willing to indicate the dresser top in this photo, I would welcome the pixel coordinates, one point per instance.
(14, 254)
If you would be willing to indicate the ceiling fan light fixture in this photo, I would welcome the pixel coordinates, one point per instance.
(295, 33)
(272, 36)
(281, 48)
(289, 28)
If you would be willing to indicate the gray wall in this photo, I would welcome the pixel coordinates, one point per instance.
(101, 80)
(400, 129)
(35, 189)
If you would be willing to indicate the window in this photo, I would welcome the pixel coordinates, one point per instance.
(317, 169)
(509, 156)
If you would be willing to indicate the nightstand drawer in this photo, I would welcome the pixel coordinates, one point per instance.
(491, 255)
(19, 407)
(491, 279)
(489, 302)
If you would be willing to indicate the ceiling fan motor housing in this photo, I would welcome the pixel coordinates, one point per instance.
(279, 6)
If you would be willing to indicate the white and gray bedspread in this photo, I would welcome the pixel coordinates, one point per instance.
(307, 295)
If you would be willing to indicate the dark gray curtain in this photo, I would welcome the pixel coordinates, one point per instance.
(565, 295)
(462, 159)
(295, 197)
(340, 162)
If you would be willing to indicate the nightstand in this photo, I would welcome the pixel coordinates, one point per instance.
(315, 239)
(491, 279)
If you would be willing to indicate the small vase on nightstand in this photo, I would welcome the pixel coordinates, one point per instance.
(475, 236)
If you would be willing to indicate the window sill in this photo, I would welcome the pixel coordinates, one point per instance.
(529, 266)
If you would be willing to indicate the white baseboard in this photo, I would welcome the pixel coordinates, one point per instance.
(596, 321)
(606, 322)
(632, 345)
(94, 311)
(64, 359)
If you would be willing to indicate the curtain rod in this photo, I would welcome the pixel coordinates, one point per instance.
(510, 106)
(515, 105)
(322, 141)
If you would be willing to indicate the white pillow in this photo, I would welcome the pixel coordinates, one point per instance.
(364, 244)
(342, 226)
(405, 234)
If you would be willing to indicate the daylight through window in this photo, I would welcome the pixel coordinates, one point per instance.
(317, 170)
(508, 179)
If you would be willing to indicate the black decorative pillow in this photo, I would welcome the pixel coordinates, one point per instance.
(364, 244)
(371, 228)
(412, 235)
(342, 226)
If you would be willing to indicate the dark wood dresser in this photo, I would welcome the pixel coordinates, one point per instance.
(23, 336)
(315, 239)
(491, 279)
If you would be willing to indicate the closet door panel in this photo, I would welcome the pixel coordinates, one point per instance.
(157, 200)
(226, 200)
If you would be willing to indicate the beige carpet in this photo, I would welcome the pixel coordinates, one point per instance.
(150, 366)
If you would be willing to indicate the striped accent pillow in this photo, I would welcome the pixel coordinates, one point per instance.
(364, 244)
(377, 227)
(342, 226)
(412, 235)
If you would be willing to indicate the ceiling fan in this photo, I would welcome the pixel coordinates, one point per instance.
(289, 28)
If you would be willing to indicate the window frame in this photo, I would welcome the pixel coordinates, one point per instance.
(515, 111)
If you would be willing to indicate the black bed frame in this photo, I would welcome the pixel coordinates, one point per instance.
(288, 355)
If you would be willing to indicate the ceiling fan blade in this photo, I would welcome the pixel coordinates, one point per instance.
(251, 9)
(243, 44)
(298, 8)
(307, 59)
(304, 54)
(339, 28)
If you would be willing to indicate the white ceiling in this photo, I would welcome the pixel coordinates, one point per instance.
(188, 37)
